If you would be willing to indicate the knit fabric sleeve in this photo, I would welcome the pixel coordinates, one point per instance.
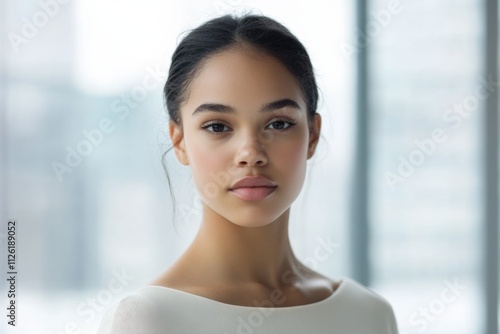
(133, 314)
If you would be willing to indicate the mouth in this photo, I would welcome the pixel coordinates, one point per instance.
(253, 193)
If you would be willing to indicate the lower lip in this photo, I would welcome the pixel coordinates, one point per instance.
(253, 194)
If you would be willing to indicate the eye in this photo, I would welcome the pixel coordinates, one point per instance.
(280, 124)
(216, 126)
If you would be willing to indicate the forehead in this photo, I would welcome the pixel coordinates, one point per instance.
(242, 76)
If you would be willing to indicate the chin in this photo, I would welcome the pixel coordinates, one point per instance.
(252, 223)
(254, 217)
(249, 214)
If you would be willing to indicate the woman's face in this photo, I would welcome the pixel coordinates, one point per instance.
(245, 115)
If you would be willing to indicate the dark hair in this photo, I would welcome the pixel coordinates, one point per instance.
(222, 33)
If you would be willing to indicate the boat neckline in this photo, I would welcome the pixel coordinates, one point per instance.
(343, 282)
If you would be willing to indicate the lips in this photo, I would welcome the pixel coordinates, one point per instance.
(252, 182)
(253, 188)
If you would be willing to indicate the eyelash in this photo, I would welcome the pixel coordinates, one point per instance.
(209, 124)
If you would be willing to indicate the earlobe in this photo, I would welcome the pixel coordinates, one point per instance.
(314, 131)
(177, 137)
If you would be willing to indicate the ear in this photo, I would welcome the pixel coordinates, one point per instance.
(177, 137)
(314, 131)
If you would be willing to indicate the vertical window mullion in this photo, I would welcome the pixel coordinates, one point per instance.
(360, 235)
(490, 161)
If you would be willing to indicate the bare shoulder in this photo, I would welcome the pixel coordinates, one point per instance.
(318, 280)
(176, 279)
(175, 276)
(309, 287)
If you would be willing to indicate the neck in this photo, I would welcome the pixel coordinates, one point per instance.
(228, 253)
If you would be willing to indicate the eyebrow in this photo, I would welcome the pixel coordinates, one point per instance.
(221, 108)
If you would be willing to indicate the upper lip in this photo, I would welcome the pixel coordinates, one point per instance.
(253, 181)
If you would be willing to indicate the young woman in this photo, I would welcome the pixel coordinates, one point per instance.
(242, 97)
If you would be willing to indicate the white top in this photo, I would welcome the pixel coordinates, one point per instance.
(350, 309)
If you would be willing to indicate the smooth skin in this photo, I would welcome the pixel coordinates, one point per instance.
(242, 254)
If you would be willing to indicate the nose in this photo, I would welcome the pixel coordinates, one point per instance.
(251, 153)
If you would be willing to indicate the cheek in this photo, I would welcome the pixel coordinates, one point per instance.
(291, 159)
(291, 154)
(207, 164)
